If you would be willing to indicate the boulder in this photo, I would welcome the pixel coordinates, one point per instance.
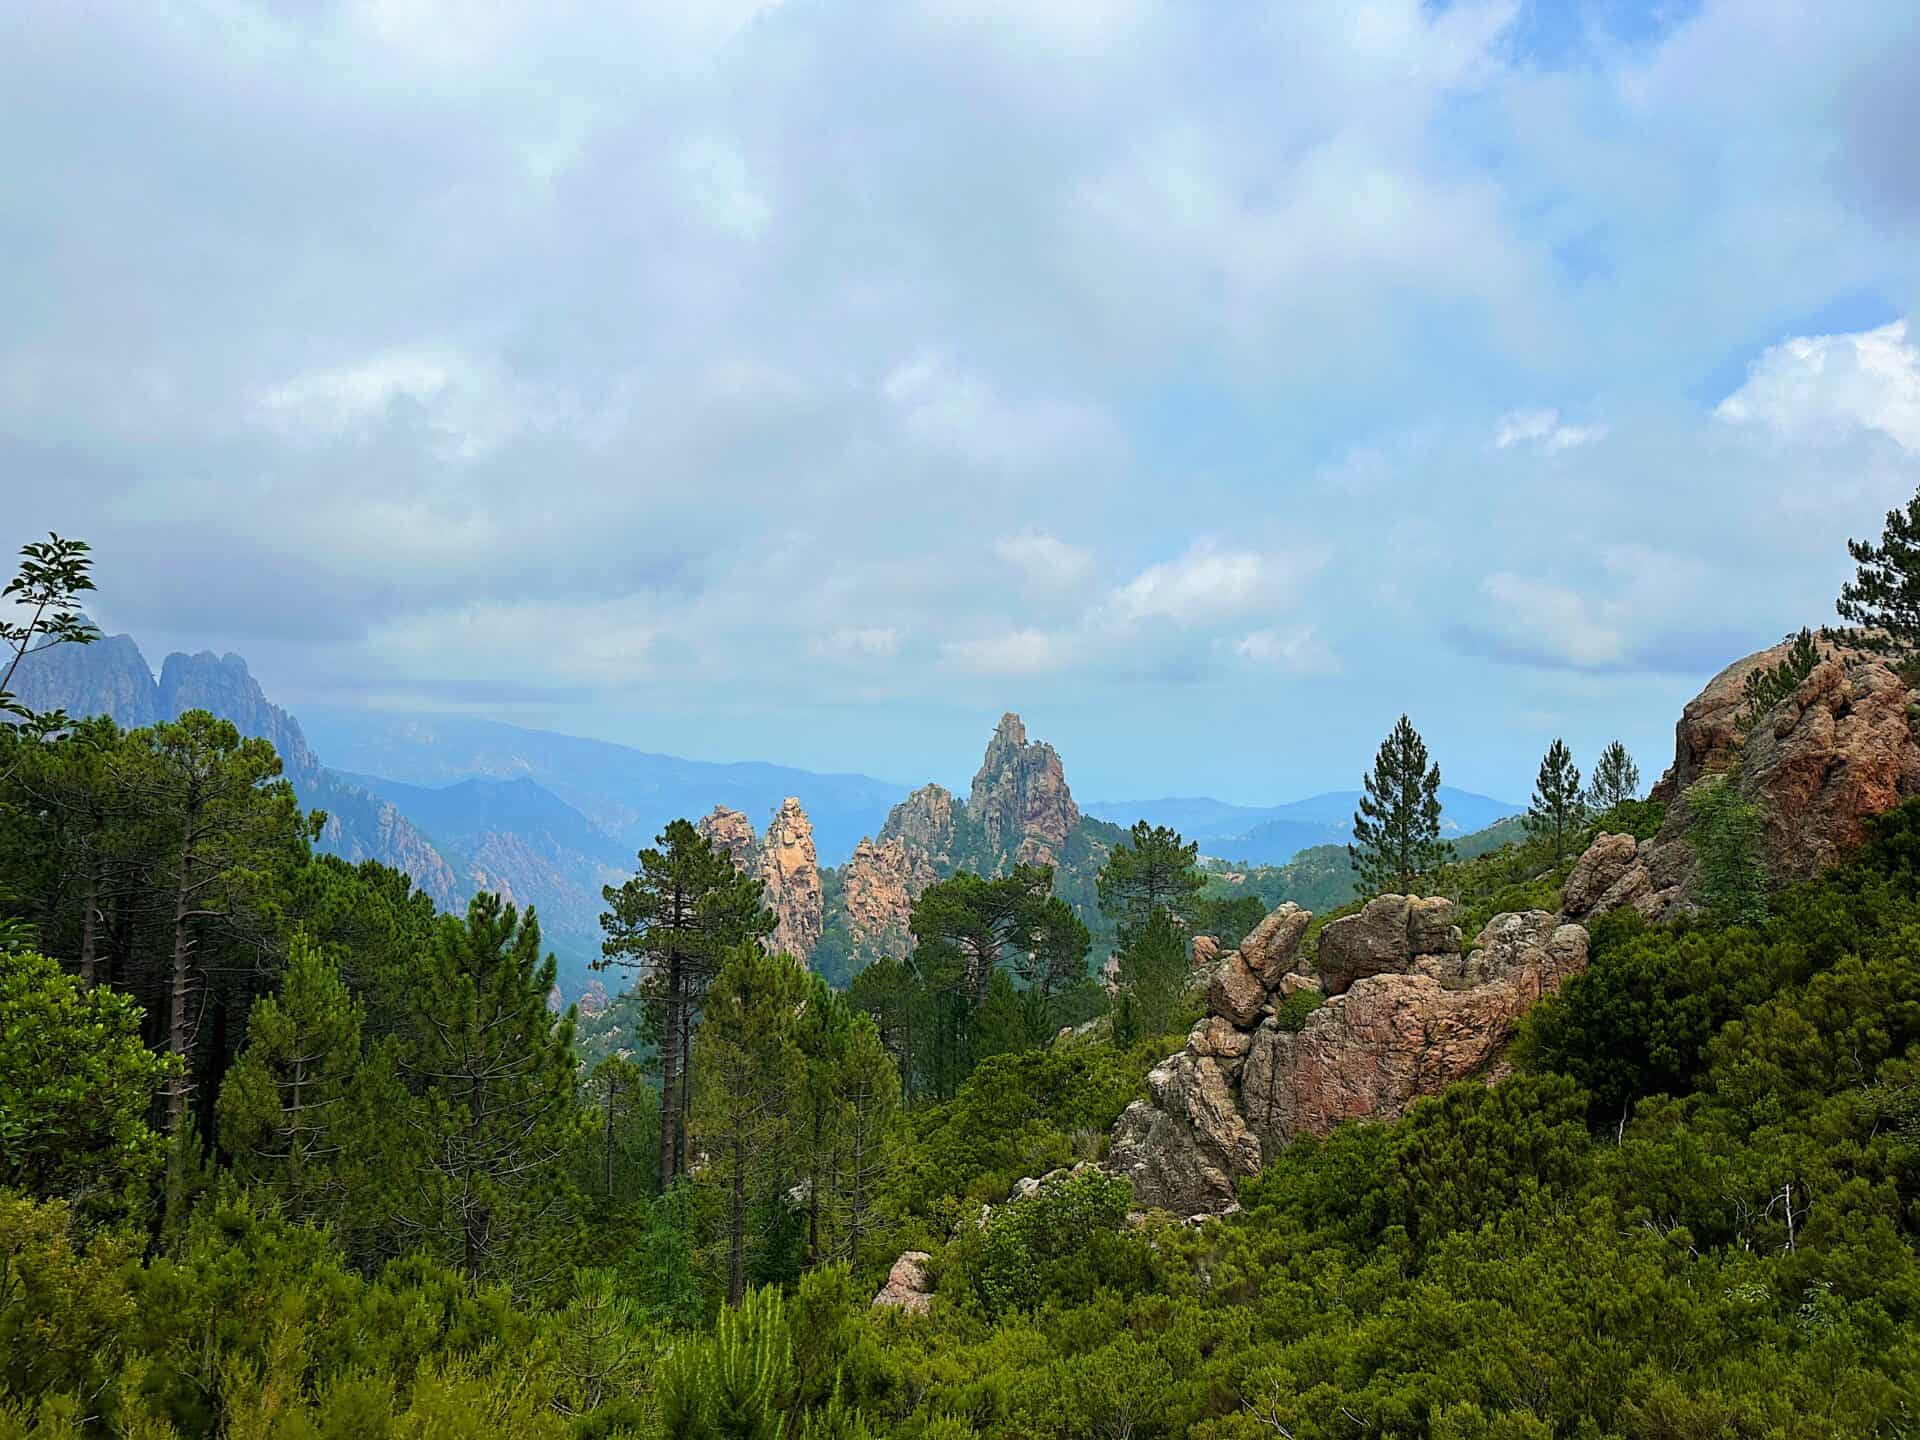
(1605, 863)
(1203, 952)
(1235, 992)
(1270, 949)
(1384, 939)
(1187, 1145)
(1218, 1037)
(908, 1286)
(1393, 1037)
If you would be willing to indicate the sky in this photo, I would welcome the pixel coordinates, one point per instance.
(812, 381)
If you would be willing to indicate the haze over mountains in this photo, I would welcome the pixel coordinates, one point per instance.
(1274, 834)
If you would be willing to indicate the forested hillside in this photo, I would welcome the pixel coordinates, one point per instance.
(1608, 1130)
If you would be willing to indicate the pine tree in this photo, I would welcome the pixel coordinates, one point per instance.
(1883, 598)
(866, 1087)
(493, 1072)
(286, 1109)
(1154, 971)
(1396, 830)
(1616, 779)
(674, 921)
(1558, 806)
(748, 1082)
(1155, 869)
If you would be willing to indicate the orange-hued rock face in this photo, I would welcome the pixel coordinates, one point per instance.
(730, 830)
(1020, 798)
(1413, 1016)
(882, 881)
(790, 873)
(1394, 1037)
(1826, 759)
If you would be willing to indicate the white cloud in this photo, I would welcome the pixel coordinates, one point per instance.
(1551, 620)
(1012, 652)
(857, 643)
(1545, 430)
(469, 406)
(1206, 583)
(718, 187)
(948, 408)
(1817, 386)
(1044, 559)
(1297, 652)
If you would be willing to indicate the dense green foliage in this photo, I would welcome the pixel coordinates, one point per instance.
(1767, 686)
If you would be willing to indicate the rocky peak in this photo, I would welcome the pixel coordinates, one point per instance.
(1020, 798)
(790, 871)
(730, 830)
(878, 889)
(108, 677)
(923, 822)
(223, 685)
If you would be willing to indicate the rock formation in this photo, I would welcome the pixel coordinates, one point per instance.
(1406, 1015)
(923, 822)
(730, 830)
(1020, 798)
(1395, 1036)
(790, 871)
(788, 868)
(1837, 751)
(878, 889)
(908, 1286)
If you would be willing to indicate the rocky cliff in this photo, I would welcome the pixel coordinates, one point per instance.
(1020, 800)
(1405, 1014)
(1838, 750)
(730, 830)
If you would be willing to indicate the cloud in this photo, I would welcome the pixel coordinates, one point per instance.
(468, 406)
(1817, 387)
(857, 643)
(1044, 560)
(1543, 429)
(1551, 621)
(1295, 652)
(1206, 583)
(1008, 653)
(949, 409)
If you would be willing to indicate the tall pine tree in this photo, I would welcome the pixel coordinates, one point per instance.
(1616, 779)
(685, 908)
(1154, 869)
(1558, 805)
(1396, 830)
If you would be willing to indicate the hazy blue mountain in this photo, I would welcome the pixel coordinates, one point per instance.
(627, 793)
(1274, 834)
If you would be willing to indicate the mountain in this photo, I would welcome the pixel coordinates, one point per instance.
(627, 793)
(111, 677)
(1274, 834)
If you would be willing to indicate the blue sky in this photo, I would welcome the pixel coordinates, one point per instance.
(813, 381)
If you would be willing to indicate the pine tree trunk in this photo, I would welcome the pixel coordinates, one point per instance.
(179, 1033)
(89, 925)
(669, 1072)
(737, 1256)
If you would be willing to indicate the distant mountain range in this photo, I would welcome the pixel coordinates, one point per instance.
(1274, 834)
(626, 793)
